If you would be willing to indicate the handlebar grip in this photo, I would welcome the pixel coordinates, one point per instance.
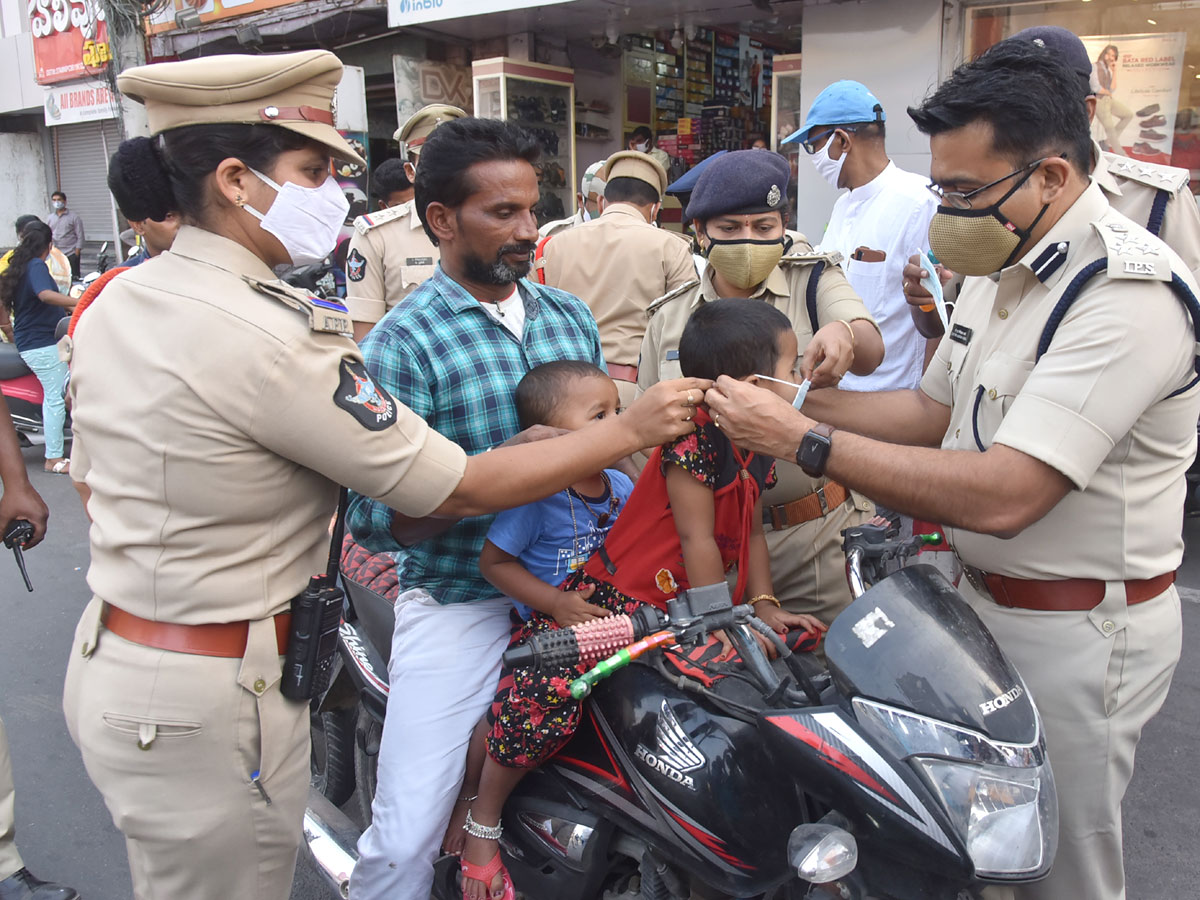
(566, 647)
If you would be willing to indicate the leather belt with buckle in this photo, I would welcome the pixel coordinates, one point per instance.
(812, 506)
(226, 639)
(1064, 595)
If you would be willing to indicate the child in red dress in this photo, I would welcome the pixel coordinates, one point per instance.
(695, 513)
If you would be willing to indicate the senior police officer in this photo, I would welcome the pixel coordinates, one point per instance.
(218, 408)
(1065, 430)
(588, 201)
(620, 263)
(389, 253)
(739, 205)
(1157, 197)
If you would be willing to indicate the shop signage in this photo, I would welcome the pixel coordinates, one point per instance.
(417, 12)
(210, 11)
(80, 101)
(70, 39)
(420, 82)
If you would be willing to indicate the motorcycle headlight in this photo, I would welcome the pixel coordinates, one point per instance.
(1007, 816)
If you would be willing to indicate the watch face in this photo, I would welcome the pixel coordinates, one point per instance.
(812, 454)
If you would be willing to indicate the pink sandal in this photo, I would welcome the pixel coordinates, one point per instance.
(485, 874)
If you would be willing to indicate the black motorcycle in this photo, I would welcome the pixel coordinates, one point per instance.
(913, 766)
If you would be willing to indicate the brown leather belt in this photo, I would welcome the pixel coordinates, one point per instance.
(1066, 595)
(812, 506)
(622, 373)
(227, 639)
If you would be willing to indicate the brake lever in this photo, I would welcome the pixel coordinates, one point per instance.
(16, 536)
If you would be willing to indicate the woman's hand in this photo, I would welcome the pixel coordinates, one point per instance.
(781, 621)
(829, 355)
(757, 419)
(572, 607)
(665, 411)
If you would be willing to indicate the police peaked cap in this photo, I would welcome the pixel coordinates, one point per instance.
(743, 182)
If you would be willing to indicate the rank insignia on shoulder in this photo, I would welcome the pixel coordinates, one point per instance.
(365, 223)
(1168, 178)
(358, 394)
(356, 266)
(1132, 253)
(327, 316)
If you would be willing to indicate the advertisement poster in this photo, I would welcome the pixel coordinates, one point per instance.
(80, 101)
(163, 18)
(418, 12)
(419, 83)
(1136, 79)
(750, 69)
(70, 39)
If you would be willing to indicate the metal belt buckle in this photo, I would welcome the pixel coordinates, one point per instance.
(975, 576)
(821, 499)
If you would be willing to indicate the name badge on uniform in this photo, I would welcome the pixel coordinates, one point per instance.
(419, 261)
(962, 334)
(672, 355)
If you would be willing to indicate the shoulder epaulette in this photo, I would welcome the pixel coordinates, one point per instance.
(1167, 178)
(365, 223)
(671, 295)
(1133, 253)
(327, 316)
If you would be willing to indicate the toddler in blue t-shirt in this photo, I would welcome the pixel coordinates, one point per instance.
(532, 549)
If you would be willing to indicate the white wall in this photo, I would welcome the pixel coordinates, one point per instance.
(18, 90)
(22, 182)
(894, 49)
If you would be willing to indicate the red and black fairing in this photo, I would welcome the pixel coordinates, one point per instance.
(710, 792)
(893, 814)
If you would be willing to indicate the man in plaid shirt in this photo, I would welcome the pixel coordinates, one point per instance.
(453, 352)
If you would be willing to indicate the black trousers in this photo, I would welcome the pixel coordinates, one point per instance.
(73, 258)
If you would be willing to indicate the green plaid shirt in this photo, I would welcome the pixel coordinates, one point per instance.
(443, 356)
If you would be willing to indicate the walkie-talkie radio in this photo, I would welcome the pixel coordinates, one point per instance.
(316, 618)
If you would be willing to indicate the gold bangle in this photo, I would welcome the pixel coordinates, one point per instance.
(768, 597)
(853, 339)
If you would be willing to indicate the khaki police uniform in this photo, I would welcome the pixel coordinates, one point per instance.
(10, 859)
(805, 515)
(216, 411)
(557, 226)
(390, 253)
(1132, 186)
(1098, 407)
(618, 264)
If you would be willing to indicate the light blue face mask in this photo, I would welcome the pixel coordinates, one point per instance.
(801, 389)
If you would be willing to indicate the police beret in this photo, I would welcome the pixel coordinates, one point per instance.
(635, 164)
(740, 183)
(1061, 43)
(420, 125)
(291, 90)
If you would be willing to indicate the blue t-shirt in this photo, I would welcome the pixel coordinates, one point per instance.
(33, 320)
(548, 543)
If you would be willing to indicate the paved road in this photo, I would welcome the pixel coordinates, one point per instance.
(65, 832)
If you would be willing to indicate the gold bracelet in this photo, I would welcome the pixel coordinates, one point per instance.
(769, 597)
(853, 339)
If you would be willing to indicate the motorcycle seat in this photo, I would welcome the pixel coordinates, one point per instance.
(11, 364)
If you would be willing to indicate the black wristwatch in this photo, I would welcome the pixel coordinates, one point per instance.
(813, 452)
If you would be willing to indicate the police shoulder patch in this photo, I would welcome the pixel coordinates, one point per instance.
(1133, 253)
(358, 394)
(1168, 178)
(356, 265)
(668, 297)
(365, 223)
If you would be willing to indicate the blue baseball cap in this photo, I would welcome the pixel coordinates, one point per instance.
(842, 103)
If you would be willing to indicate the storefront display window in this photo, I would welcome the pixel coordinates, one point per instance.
(1145, 71)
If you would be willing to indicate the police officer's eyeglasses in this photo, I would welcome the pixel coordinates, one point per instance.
(810, 146)
(960, 200)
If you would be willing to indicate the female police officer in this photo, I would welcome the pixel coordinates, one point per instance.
(216, 410)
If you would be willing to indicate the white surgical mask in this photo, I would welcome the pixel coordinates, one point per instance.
(643, 146)
(305, 220)
(827, 168)
(801, 389)
(58, 204)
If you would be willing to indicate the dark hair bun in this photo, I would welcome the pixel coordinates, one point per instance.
(139, 182)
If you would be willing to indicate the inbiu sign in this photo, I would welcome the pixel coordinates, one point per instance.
(417, 12)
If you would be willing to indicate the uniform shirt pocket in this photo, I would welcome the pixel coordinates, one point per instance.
(669, 368)
(999, 380)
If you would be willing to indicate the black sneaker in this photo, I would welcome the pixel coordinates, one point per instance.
(21, 885)
(1147, 110)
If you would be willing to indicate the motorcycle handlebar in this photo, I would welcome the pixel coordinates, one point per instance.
(870, 546)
